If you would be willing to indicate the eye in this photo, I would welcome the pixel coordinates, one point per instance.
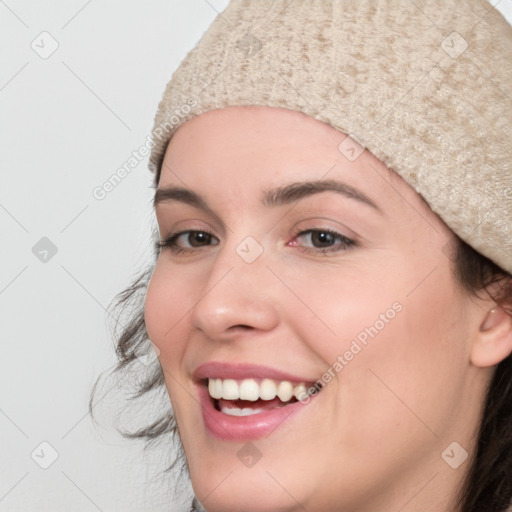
(187, 241)
(311, 240)
(323, 240)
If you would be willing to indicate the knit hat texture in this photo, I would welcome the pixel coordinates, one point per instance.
(424, 85)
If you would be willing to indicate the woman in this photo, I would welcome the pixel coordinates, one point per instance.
(331, 301)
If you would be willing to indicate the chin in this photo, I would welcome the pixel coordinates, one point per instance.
(246, 494)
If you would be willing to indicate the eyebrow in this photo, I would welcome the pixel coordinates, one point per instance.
(296, 191)
(271, 197)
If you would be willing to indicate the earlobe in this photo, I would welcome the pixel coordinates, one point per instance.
(493, 343)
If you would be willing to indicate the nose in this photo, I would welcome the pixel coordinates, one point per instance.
(237, 298)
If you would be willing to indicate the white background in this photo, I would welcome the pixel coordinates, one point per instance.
(67, 123)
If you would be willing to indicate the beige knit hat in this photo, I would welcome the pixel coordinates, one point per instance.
(424, 85)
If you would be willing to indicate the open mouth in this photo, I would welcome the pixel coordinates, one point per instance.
(246, 401)
(251, 396)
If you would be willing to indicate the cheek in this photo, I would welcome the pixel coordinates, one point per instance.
(165, 310)
(343, 310)
(404, 383)
(393, 351)
(165, 315)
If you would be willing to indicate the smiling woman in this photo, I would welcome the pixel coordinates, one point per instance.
(332, 313)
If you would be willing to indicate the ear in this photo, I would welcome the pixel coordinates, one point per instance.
(493, 342)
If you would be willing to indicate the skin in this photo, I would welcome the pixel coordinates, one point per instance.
(373, 438)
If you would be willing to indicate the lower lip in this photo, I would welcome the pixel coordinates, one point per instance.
(244, 428)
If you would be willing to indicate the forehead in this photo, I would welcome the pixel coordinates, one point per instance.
(246, 139)
(254, 125)
(245, 150)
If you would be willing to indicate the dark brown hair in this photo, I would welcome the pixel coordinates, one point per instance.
(488, 485)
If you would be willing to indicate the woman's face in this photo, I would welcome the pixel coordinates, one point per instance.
(301, 260)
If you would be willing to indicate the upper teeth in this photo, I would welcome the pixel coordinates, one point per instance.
(249, 389)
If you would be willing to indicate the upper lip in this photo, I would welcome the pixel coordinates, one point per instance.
(239, 371)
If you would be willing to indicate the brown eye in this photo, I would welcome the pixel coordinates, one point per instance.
(324, 240)
(198, 238)
(187, 241)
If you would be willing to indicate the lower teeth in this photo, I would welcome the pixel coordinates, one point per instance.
(234, 411)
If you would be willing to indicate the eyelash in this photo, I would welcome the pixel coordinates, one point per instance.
(170, 241)
(345, 244)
